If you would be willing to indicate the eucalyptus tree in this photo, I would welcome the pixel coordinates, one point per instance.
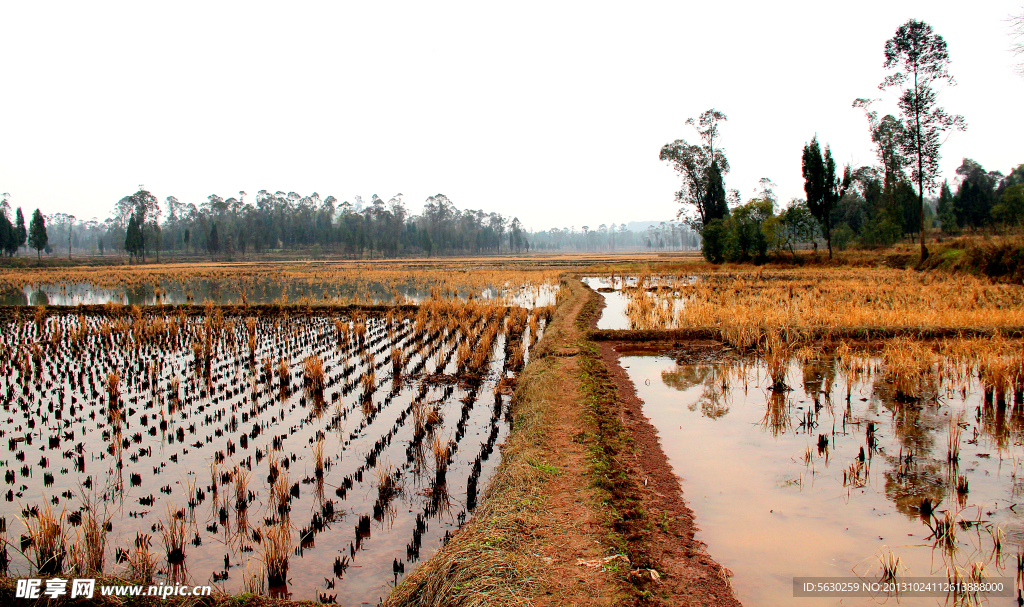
(919, 59)
(701, 166)
(1017, 33)
(65, 221)
(145, 207)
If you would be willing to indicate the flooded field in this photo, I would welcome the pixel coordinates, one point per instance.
(303, 456)
(847, 464)
(219, 284)
(628, 305)
(744, 302)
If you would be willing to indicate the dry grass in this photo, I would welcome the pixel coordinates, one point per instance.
(277, 543)
(314, 372)
(254, 577)
(283, 373)
(441, 449)
(279, 491)
(173, 534)
(387, 482)
(332, 283)
(113, 390)
(318, 457)
(90, 542)
(910, 367)
(241, 478)
(142, 563)
(953, 436)
(745, 303)
(49, 540)
(490, 561)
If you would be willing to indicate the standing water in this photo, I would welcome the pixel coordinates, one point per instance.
(835, 477)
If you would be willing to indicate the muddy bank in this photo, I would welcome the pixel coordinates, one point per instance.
(665, 536)
(538, 518)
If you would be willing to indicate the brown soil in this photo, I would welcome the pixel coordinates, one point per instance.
(689, 574)
(569, 529)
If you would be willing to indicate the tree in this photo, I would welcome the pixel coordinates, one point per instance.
(976, 194)
(789, 228)
(144, 207)
(702, 168)
(65, 221)
(8, 236)
(1017, 33)
(8, 233)
(22, 233)
(887, 134)
(919, 57)
(1010, 209)
(745, 226)
(946, 210)
(213, 242)
(823, 190)
(37, 238)
(133, 238)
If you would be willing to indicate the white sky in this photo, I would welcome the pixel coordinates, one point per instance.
(550, 111)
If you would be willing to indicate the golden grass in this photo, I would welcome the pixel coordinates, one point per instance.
(746, 302)
(277, 543)
(387, 482)
(241, 478)
(173, 534)
(329, 282)
(113, 390)
(142, 563)
(90, 542)
(441, 449)
(49, 540)
(254, 579)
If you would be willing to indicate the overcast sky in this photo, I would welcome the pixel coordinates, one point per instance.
(550, 111)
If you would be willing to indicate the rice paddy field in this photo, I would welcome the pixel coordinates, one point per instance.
(804, 451)
(746, 303)
(859, 423)
(297, 283)
(300, 455)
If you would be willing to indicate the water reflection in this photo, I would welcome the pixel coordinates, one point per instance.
(284, 290)
(785, 483)
(11, 296)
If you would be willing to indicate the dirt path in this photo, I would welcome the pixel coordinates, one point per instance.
(647, 508)
(583, 509)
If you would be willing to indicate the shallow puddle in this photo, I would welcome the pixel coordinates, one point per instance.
(613, 316)
(771, 505)
(619, 312)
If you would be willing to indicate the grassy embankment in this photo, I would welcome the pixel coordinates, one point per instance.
(561, 494)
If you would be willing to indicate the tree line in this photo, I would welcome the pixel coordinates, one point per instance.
(142, 227)
(868, 206)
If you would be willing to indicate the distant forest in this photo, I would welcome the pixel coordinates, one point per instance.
(142, 228)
